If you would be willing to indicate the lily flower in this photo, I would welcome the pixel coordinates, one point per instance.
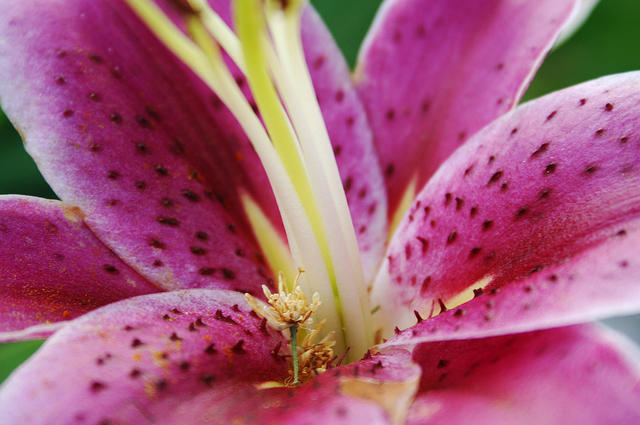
(202, 148)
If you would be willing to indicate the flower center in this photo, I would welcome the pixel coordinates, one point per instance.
(290, 310)
(293, 146)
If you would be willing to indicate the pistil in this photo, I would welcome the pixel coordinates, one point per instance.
(293, 145)
(296, 88)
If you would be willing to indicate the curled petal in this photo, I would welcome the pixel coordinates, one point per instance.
(600, 282)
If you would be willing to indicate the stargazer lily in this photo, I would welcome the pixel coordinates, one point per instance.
(203, 150)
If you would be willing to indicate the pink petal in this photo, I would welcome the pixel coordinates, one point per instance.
(578, 375)
(375, 390)
(138, 360)
(120, 129)
(339, 396)
(52, 268)
(432, 73)
(556, 179)
(191, 356)
(596, 283)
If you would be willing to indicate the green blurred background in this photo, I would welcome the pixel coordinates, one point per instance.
(607, 43)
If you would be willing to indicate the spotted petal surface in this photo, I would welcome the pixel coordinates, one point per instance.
(377, 390)
(433, 72)
(136, 361)
(191, 356)
(600, 282)
(122, 130)
(562, 376)
(53, 269)
(552, 184)
(117, 127)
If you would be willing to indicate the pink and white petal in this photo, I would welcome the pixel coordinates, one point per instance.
(433, 72)
(53, 269)
(556, 178)
(349, 131)
(599, 282)
(377, 390)
(138, 360)
(570, 375)
(381, 387)
(122, 130)
(244, 404)
(194, 356)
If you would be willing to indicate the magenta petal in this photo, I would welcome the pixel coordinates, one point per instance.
(139, 360)
(194, 356)
(120, 129)
(375, 390)
(554, 180)
(52, 268)
(600, 282)
(343, 395)
(577, 375)
(432, 73)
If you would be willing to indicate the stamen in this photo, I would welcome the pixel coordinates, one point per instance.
(296, 154)
(315, 357)
(273, 247)
(294, 354)
(251, 31)
(220, 31)
(290, 309)
(298, 94)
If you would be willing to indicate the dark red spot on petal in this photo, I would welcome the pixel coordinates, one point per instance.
(110, 269)
(197, 250)
(238, 348)
(97, 386)
(542, 149)
(495, 177)
(550, 168)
